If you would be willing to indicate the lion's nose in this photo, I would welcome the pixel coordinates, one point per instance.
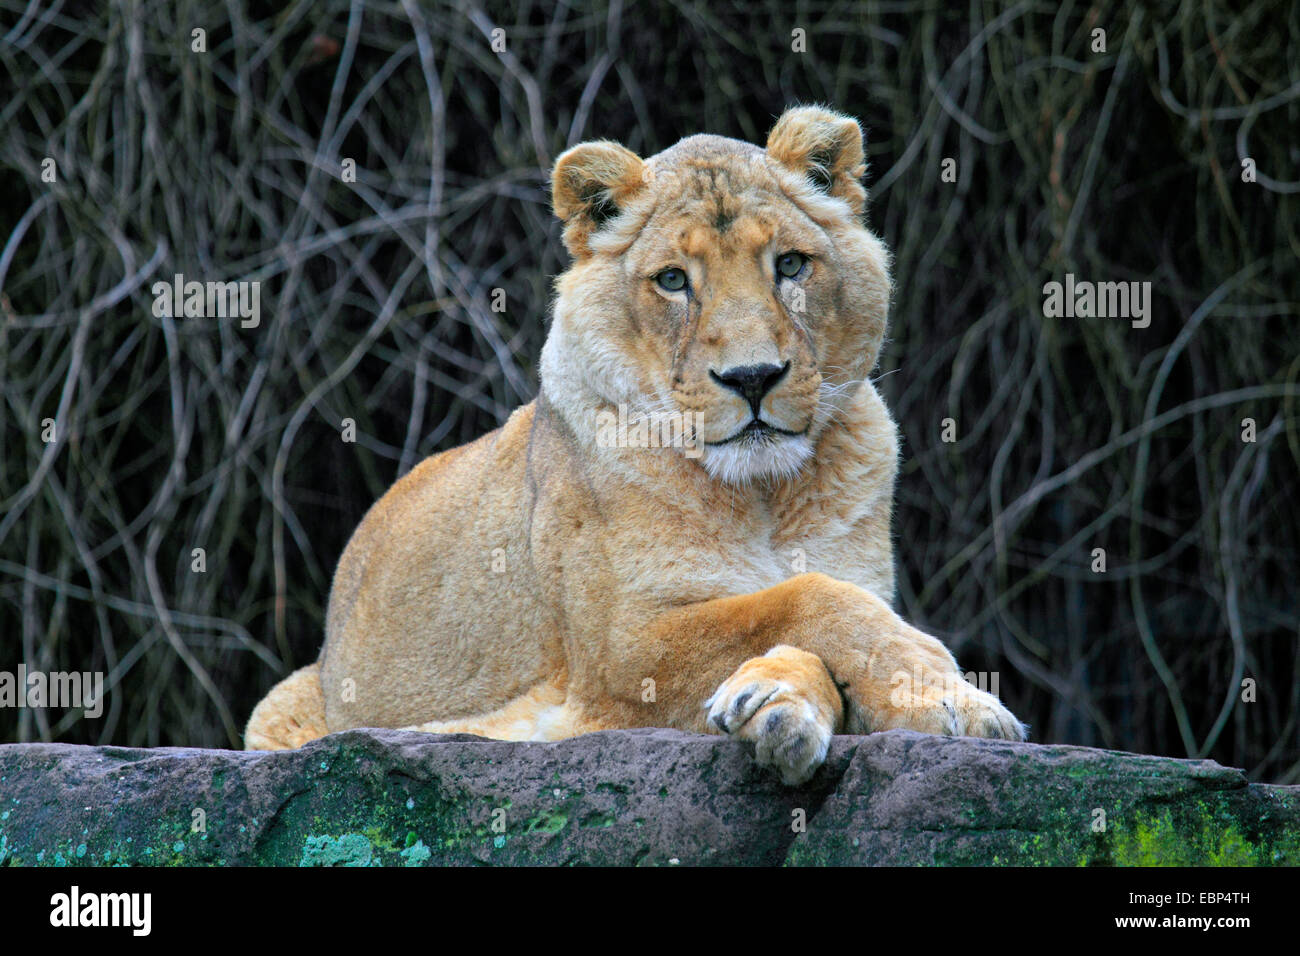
(751, 382)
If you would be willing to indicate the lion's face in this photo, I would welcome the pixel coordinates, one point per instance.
(730, 287)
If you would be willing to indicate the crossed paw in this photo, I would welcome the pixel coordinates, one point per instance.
(788, 706)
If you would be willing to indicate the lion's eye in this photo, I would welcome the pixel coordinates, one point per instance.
(671, 280)
(790, 264)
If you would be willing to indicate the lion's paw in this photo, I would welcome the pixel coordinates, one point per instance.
(955, 708)
(980, 714)
(786, 705)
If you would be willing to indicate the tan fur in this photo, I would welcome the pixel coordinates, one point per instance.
(291, 715)
(540, 583)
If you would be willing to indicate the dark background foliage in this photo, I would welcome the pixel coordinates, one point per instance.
(1073, 434)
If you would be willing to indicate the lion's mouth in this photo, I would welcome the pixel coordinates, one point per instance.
(758, 432)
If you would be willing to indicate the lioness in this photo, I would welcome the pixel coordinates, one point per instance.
(546, 581)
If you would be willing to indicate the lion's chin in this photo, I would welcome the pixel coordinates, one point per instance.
(758, 459)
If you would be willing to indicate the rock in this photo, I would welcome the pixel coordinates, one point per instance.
(653, 797)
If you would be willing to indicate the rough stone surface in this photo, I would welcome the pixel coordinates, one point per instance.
(651, 797)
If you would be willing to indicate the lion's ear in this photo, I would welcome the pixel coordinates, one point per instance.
(589, 186)
(824, 146)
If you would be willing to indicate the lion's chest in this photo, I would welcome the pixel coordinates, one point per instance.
(695, 557)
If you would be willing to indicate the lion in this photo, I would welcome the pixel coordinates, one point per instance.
(561, 575)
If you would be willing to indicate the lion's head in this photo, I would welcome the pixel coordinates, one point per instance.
(732, 283)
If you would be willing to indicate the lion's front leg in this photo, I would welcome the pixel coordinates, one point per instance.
(893, 675)
(778, 667)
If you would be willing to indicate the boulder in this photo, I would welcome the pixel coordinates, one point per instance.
(626, 798)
